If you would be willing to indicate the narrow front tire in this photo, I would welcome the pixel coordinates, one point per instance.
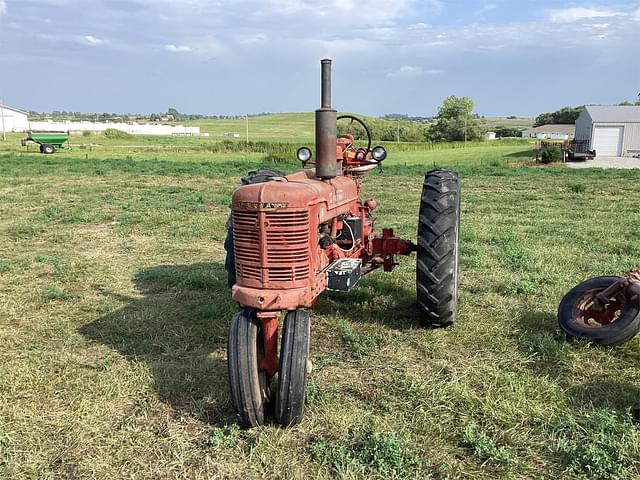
(292, 374)
(249, 386)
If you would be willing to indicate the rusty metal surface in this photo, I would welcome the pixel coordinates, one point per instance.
(326, 128)
(287, 231)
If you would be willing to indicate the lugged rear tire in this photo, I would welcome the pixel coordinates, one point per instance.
(437, 253)
(249, 387)
(292, 372)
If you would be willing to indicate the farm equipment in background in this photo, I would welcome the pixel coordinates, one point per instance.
(49, 142)
(572, 150)
(578, 151)
(292, 237)
(602, 310)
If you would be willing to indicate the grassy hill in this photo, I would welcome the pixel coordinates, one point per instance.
(115, 310)
(300, 126)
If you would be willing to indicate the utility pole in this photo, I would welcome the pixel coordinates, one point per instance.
(398, 132)
(465, 129)
(247, 118)
(4, 134)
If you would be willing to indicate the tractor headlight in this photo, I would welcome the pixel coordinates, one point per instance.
(379, 153)
(304, 154)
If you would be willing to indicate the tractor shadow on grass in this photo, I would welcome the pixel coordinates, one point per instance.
(540, 337)
(377, 298)
(177, 328)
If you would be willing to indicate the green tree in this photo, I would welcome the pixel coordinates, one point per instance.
(456, 121)
(174, 113)
(566, 115)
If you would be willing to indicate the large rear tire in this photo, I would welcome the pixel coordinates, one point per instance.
(617, 324)
(437, 253)
(258, 176)
(249, 386)
(292, 373)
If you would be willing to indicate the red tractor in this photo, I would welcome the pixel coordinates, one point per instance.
(292, 237)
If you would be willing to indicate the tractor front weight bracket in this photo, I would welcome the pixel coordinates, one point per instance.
(269, 322)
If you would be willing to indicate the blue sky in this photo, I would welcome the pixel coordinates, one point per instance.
(248, 56)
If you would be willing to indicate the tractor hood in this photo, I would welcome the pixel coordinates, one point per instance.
(300, 190)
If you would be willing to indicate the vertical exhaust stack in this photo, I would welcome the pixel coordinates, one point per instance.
(326, 130)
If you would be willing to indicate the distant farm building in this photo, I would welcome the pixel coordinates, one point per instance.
(13, 120)
(231, 135)
(490, 136)
(552, 132)
(132, 128)
(611, 131)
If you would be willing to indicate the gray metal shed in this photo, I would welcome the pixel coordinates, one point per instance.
(610, 130)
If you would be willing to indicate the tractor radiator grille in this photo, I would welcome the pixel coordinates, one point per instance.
(277, 252)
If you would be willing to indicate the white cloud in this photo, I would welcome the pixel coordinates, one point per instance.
(3, 7)
(91, 40)
(419, 26)
(570, 15)
(486, 8)
(408, 71)
(177, 48)
(598, 26)
(376, 10)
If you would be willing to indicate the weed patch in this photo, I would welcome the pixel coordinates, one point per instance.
(602, 447)
(367, 454)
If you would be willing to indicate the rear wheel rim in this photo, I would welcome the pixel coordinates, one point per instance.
(588, 315)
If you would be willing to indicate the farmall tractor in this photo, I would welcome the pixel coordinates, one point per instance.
(292, 237)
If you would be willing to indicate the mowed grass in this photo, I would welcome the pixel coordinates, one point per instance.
(114, 313)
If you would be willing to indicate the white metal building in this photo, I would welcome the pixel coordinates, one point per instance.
(14, 120)
(551, 131)
(611, 131)
(132, 128)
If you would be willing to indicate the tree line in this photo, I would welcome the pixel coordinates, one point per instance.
(567, 115)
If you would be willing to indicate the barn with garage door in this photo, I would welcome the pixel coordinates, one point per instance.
(611, 131)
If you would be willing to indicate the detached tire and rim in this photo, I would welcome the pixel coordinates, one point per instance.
(619, 322)
(292, 372)
(48, 149)
(437, 253)
(249, 386)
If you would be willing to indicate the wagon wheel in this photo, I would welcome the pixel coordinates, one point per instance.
(579, 316)
(47, 149)
(249, 386)
(292, 374)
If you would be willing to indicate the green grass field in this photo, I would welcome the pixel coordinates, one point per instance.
(299, 126)
(114, 313)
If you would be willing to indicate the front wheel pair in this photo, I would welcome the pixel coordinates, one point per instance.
(250, 385)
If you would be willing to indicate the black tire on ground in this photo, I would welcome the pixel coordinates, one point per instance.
(258, 176)
(292, 373)
(621, 330)
(437, 253)
(41, 148)
(635, 411)
(48, 149)
(249, 387)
